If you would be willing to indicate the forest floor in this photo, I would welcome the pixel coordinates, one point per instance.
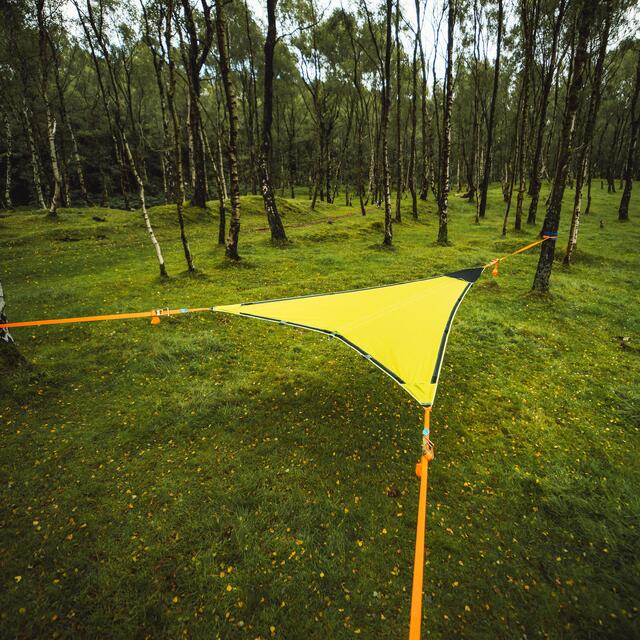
(216, 477)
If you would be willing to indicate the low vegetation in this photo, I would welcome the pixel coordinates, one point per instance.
(220, 477)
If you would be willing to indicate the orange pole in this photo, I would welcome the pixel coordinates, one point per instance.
(422, 469)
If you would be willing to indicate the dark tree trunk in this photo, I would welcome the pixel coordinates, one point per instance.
(278, 234)
(443, 192)
(535, 177)
(252, 109)
(398, 117)
(175, 129)
(584, 152)
(386, 108)
(587, 209)
(586, 11)
(8, 155)
(424, 121)
(414, 122)
(220, 189)
(486, 175)
(195, 57)
(510, 177)
(623, 211)
(67, 123)
(229, 91)
(529, 18)
(384, 62)
(165, 155)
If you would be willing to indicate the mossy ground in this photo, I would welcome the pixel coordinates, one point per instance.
(217, 477)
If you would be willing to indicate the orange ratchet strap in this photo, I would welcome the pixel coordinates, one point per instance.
(422, 469)
(496, 261)
(154, 314)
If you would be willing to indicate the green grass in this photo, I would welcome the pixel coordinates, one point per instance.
(216, 477)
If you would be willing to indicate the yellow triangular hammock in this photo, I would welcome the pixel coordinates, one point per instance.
(401, 328)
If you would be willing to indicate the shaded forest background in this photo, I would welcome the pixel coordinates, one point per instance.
(127, 104)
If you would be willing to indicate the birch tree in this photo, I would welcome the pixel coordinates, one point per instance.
(586, 13)
(278, 234)
(447, 101)
(488, 154)
(51, 121)
(112, 100)
(634, 128)
(229, 91)
(8, 349)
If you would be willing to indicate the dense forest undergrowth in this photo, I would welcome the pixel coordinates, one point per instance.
(221, 477)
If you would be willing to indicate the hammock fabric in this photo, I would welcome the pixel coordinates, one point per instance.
(401, 328)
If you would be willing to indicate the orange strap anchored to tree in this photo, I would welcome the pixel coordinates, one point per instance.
(154, 314)
(496, 261)
(422, 470)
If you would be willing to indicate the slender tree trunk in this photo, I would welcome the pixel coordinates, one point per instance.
(121, 142)
(51, 122)
(195, 56)
(225, 71)
(165, 156)
(424, 122)
(510, 177)
(220, 189)
(252, 111)
(529, 18)
(67, 123)
(278, 234)
(35, 162)
(222, 179)
(360, 159)
(586, 11)
(8, 350)
(190, 147)
(443, 201)
(488, 154)
(8, 161)
(177, 145)
(398, 117)
(372, 167)
(584, 152)
(587, 209)
(623, 211)
(414, 122)
(200, 188)
(547, 81)
(143, 206)
(327, 163)
(386, 108)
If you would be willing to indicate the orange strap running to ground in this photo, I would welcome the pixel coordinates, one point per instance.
(154, 313)
(418, 561)
(422, 470)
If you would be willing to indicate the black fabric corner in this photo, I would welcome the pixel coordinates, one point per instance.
(470, 275)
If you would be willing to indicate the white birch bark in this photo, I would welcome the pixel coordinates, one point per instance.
(5, 336)
(143, 205)
(35, 163)
(8, 159)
